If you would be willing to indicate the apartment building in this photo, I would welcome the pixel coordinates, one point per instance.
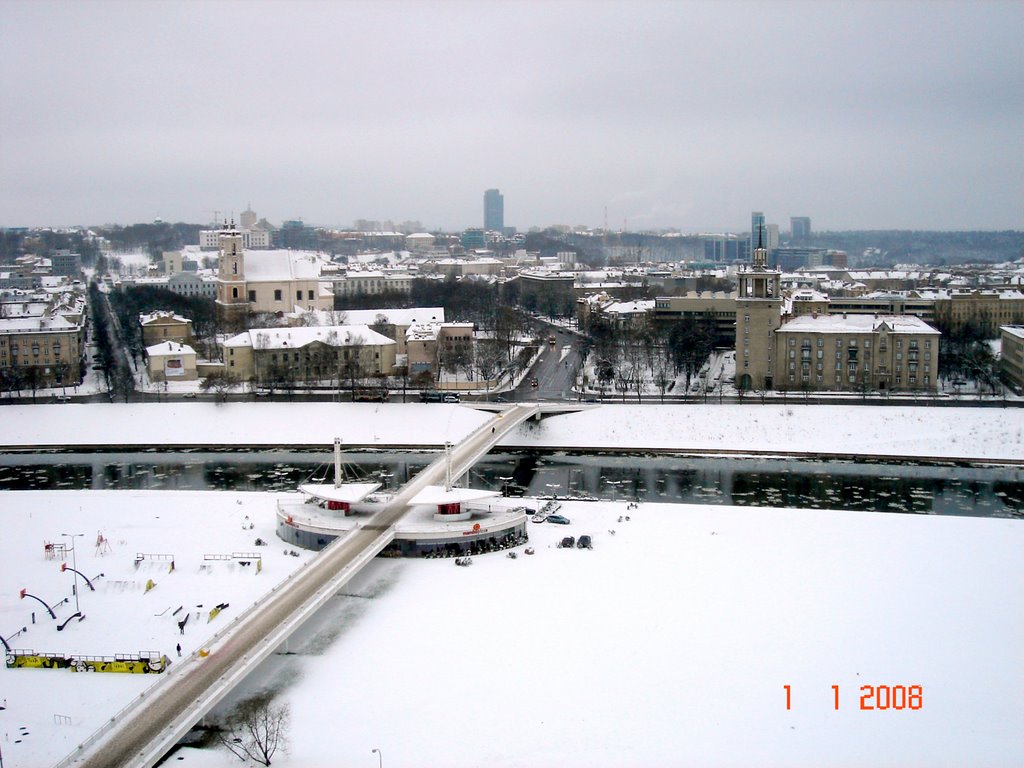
(856, 353)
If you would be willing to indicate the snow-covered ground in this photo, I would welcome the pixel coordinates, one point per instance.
(984, 433)
(669, 643)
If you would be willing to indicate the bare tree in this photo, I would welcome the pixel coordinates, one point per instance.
(256, 730)
(220, 383)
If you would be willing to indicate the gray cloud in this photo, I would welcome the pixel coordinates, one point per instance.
(870, 115)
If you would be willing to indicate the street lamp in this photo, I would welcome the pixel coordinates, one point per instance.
(380, 757)
(74, 564)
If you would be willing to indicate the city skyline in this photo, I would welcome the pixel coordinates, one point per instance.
(877, 116)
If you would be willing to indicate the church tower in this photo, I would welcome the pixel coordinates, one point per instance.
(232, 299)
(758, 316)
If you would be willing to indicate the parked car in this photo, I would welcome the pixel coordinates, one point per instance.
(451, 398)
(561, 520)
(584, 542)
(567, 543)
(190, 395)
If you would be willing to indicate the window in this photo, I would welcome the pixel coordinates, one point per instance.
(252, 296)
(298, 295)
(792, 354)
(913, 343)
(821, 354)
(839, 355)
(819, 366)
(899, 343)
(234, 293)
(821, 343)
(310, 295)
(277, 294)
(927, 345)
(820, 379)
(792, 342)
(839, 343)
(231, 364)
(899, 355)
(853, 342)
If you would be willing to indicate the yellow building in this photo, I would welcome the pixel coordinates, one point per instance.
(856, 353)
(40, 346)
(163, 326)
(273, 281)
(171, 361)
(309, 354)
(1011, 359)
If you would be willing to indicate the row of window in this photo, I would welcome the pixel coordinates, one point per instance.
(852, 379)
(852, 342)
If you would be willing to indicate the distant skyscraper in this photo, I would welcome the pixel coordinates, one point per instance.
(758, 232)
(494, 210)
(800, 227)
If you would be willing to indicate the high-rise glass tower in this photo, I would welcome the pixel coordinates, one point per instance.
(494, 210)
(758, 232)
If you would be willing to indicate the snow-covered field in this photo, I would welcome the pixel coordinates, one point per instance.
(984, 433)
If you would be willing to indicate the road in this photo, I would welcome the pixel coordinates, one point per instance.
(554, 371)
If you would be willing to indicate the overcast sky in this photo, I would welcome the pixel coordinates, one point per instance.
(889, 115)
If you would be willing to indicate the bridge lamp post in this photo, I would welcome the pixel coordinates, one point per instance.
(380, 757)
(74, 563)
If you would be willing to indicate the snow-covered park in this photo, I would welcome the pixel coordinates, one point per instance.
(671, 642)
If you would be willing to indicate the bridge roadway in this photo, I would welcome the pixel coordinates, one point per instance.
(143, 733)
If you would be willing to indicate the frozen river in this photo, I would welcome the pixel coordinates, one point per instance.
(989, 491)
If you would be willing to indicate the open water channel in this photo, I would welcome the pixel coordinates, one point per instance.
(987, 491)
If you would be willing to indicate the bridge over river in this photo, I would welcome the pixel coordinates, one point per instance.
(141, 735)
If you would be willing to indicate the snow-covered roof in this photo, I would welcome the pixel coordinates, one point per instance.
(151, 317)
(857, 324)
(1013, 330)
(169, 348)
(296, 338)
(282, 265)
(392, 316)
(631, 307)
(346, 492)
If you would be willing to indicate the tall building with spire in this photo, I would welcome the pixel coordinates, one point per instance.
(758, 231)
(494, 211)
(758, 316)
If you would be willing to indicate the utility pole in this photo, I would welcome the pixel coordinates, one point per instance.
(74, 566)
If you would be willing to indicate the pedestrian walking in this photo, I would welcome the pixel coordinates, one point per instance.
(179, 650)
